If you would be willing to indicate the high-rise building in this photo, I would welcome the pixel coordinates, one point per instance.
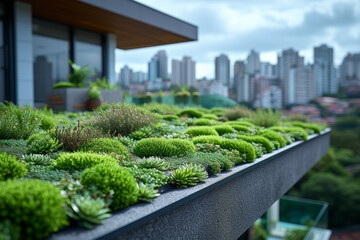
(350, 67)
(239, 73)
(138, 77)
(268, 70)
(253, 63)
(222, 69)
(288, 59)
(126, 75)
(324, 70)
(270, 97)
(157, 67)
(302, 86)
(183, 72)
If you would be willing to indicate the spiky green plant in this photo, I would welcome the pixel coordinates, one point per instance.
(188, 175)
(37, 159)
(87, 210)
(147, 193)
(153, 162)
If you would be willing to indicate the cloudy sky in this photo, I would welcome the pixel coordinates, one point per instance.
(234, 27)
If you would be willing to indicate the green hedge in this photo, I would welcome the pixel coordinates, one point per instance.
(242, 146)
(208, 139)
(258, 139)
(10, 167)
(162, 147)
(223, 129)
(296, 132)
(203, 122)
(273, 136)
(106, 145)
(81, 160)
(190, 112)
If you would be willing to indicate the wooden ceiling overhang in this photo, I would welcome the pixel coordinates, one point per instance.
(135, 25)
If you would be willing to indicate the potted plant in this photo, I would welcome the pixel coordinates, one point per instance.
(94, 100)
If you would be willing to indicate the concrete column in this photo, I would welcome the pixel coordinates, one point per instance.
(24, 53)
(110, 53)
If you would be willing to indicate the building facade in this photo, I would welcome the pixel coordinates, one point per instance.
(40, 37)
(253, 63)
(222, 69)
(324, 70)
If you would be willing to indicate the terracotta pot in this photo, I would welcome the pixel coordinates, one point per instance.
(92, 104)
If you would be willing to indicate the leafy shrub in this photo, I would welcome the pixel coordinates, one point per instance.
(169, 117)
(79, 74)
(149, 176)
(241, 128)
(123, 119)
(296, 132)
(94, 93)
(73, 137)
(188, 175)
(109, 177)
(103, 145)
(265, 117)
(153, 162)
(273, 136)
(81, 160)
(242, 146)
(258, 139)
(242, 123)
(190, 112)
(38, 159)
(36, 136)
(18, 123)
(37, 209)
(147, 193)
(10, 167)
(210, 116)
(87, 210)
(42, 143)
(223, 129)
(208, 139)
(237, 112)
(201, 131)
(102, 83)
(161, 147)
(202, 122)
(47, 122)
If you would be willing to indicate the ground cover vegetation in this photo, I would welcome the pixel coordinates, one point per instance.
(84, 166)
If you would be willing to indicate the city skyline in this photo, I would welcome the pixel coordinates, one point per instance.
(266, 28)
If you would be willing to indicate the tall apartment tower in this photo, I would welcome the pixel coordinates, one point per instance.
(324, 70)
(350, 67)
(157, 67)
(288, 59)
(239, 73)
(183, 72)
(126, 75)
(253, 63)
(222, 69)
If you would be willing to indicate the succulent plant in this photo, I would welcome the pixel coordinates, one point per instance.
(37, 159)
(88, 210)
(188, 175)
(153, 162)
(147, 193)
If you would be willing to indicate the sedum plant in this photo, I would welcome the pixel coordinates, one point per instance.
(188, 175)
(38, 209)
(87, 210)
(153, 162)
(149, 176)
(43, 144)
(201, 131)
(108, 177)
(223, 129)
(190, 112)
(147, 193)
(103, 145)
(38, 159)
(10, 167)
(81, 160)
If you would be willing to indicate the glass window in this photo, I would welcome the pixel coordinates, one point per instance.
(2, 64)
(51, 49)
(88, 50)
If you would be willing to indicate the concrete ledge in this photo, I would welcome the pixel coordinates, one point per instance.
(223, 207)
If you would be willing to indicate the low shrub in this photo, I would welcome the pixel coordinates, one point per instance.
(190, 112)
(169, 117)
(201, 131)
(10, 167)
(123, 119)
(161, 147)
(34, 206)
(241, 128)
(273, 136)
(188, 175)
(242, 146)
(103, 145)
(237, 112)
(242, 123)
(149, 176)
(73, 137)
(202, 122)
(312, 126)
(208, 139)
(47, 122)
(18, 123)
(210, 116)
(266, 117)
(217, 110)
(296, 132)
(81, 160)
(223, 129)
(108, 177)
(258, 139)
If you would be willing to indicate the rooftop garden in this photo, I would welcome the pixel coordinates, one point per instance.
(63, 169)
